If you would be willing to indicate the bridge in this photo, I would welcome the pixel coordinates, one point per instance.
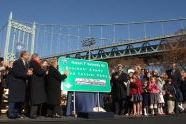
(131, 48)
(91, 41)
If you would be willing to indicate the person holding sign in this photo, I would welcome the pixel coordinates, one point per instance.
(53, 88)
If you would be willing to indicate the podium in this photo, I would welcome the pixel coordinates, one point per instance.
(84, 104)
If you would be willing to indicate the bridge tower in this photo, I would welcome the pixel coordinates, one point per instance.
(18, 37)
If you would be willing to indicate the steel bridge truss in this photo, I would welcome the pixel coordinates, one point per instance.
(130, 48)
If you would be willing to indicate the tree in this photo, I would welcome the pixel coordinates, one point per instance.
(175, 51)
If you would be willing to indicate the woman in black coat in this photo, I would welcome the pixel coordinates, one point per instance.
(53, 88)
(37, 86)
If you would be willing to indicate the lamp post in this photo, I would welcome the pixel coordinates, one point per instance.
(88, 42)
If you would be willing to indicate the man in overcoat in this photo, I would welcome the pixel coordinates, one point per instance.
(17, 85)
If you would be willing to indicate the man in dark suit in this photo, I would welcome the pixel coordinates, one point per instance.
(175, 74)
(17, 85)
(119, 90)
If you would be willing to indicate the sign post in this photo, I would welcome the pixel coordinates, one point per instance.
(84, 76)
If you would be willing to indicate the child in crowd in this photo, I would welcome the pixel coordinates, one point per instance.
(130, 106)
(135, 92)
(161, 100)
(154, 91)
(145, 96)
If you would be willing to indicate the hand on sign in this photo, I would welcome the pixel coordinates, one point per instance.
(66, 73)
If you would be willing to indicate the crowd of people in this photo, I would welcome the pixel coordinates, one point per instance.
(34, 86)
(35, 89)
(143, 92)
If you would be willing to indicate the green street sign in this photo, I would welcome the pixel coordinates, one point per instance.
(84, 75)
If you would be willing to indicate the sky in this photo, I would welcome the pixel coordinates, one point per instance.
(90, 11)
(77, 12)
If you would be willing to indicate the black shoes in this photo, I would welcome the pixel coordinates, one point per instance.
(56, 116)
(15, 117)
(20, 116)
(53, 116)
(12, 117)
(33, 116)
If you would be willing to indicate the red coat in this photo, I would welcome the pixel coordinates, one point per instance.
(136, 87)
(153, 88)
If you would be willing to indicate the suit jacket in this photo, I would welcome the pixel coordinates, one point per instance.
(119, 89)
(177, 79)
(17, 81)
(37, 84)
